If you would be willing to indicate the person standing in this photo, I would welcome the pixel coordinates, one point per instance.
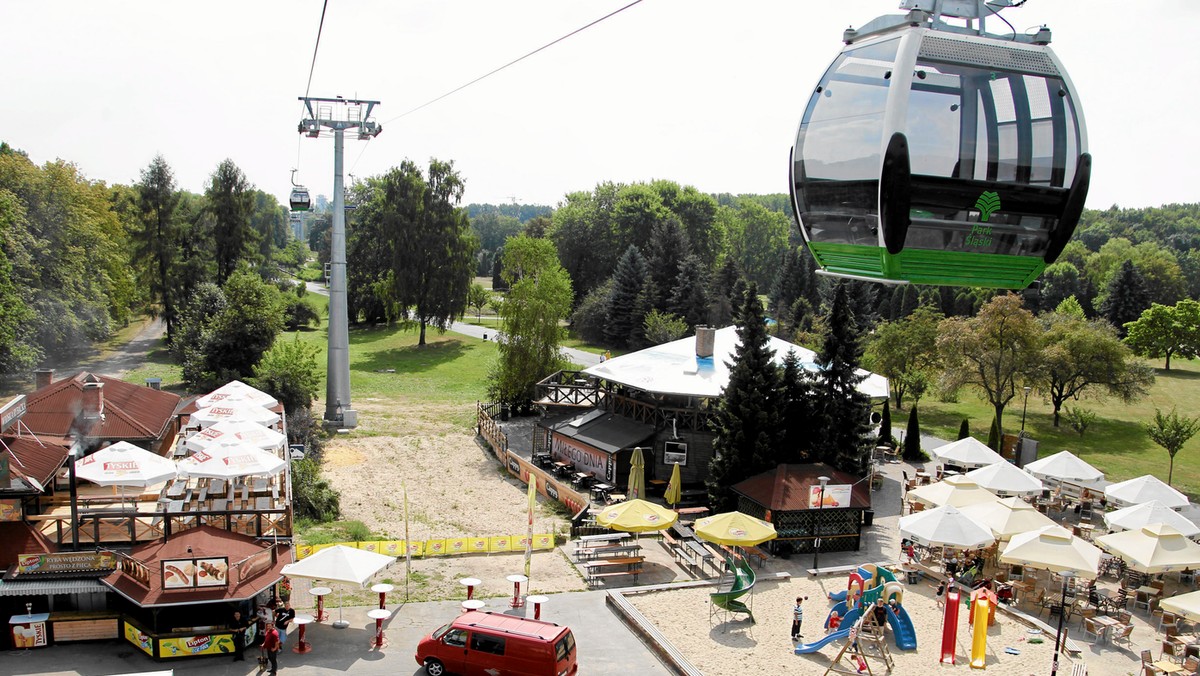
(798, 617)
(271, 646)
(283, 617)
(239, 626)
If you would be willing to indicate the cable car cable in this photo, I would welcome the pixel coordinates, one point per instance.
(311, 69)
(513, 62)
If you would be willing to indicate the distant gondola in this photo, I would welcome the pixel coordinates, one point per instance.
(299, 200)
(934, 153)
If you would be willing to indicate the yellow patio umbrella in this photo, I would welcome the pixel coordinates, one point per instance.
(1187, 605)
(674, 487)
(636, 516)
(734, 529)
(1156, 548)
(637, 475)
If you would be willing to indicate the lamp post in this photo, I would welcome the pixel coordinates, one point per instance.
(1025, 408)
(817, 522)
(1062, 610)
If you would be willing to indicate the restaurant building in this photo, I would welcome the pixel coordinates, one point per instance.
(792, 498)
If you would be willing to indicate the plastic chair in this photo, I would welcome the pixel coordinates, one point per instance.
(1091, 629)
(1123, 633)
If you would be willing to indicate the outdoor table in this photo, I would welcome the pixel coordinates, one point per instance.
(517, 580)
(1106, 624)
(924, 477)
(701, 551)
(217, 486)
(537, 601)
(301, 620)
(262, 504)
(177, 489)
(320, 593)
(607, 549)
(472, 604)
(470, 583)
(379, 615)
(589, 540)
(259, 485)
(684, 532)
(594, 567)
(1167, 666)
(614, 498)
(382, 589)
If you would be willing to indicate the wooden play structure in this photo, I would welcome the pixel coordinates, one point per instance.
(866, 641)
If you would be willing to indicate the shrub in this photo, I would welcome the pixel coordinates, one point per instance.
(912, 438)
(1080, 419)
(964, 430)
(312, 496)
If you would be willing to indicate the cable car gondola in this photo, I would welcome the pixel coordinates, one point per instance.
(933, 153)
(299, 200)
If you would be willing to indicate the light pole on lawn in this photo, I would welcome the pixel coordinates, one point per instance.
(817, 522)
(1062, 610)
(1025, 408)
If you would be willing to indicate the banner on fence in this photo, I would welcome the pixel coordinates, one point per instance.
(440, 546)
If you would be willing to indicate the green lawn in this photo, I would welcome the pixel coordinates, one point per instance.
(1116, 443)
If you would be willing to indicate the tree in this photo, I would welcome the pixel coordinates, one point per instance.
(664, 327)
(430, 243)
(591, 317)
(689, 299)
(624, 312)
(885, 424)
(298, 313)
(18, 352)
(1081, 358)
(477, 297)
(1166, 331)
(800, 408)
(237, 335)
(314, 498)
(964, 430)
(842, 435)
(912, 438)
(1127, 297)
(905, 348)
(539, 297)
(156, 243)
(290, 373)
(1171, 431)
(997, 351)
(231, 202)
(993, 441)
(748, 423)
(1080, 419)
(666, 251)
(755, 235)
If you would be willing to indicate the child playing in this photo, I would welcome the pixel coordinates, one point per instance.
(797, 617)
(835, 621)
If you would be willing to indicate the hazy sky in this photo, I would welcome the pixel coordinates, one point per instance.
(701, 92)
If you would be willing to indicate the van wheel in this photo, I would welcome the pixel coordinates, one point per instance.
(434, 667)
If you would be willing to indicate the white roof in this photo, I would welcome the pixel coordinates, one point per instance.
(1064, 465)
(340, 564)
(1006, 478)
(1144, 489)
(673, 368)
(1147, 513)
(968, 452)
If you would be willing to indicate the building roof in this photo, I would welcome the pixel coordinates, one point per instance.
(674, 368)
(786, 488)
(31, 458)
(606, 431)
(17, 538)
(85, 585)
(199, 542)
(130, 412)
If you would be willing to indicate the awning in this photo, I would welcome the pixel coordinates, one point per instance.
(50, 587)
(606, 431)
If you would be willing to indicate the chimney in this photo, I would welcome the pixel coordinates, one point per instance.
(705, 335)
(154, 383)
(42, 378)
(93, 401)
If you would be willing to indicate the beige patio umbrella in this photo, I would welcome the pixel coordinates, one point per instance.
(1187, 605)
(637, 475)
(956, 491)
(969, 452)
(674, 487)
(1157, 548)
(1007, 479)
(1007, 517)
(1145, 514)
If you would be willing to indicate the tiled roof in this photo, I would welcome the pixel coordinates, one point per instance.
(130, 412)
(786, 488)
(202, 541)
(27, 457)
(17, 538)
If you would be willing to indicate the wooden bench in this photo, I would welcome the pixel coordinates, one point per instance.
(1079, 669)
(682, 554)
(595, 577)
(833, 570)
(668, 540)
(758, 554)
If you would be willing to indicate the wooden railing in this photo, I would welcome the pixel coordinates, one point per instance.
(490, 430)
(133, 527)
(569, 388)
(658, 416)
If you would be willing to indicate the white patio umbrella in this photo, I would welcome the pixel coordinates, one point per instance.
(1064, 466)
(340, 564)
(230, 459)
(958, 491)
(1187, 605)
(1145, 514)
(123, 464)
(1144, 489)
(1008, 517)
(245, 432)
(236, 390)
(1006, 478)
(205, 417)
(1153, 549)
(969, 452)
(945, 526)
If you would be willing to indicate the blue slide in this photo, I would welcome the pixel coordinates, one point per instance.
(902, 629)
(839, 595)
(848, 623)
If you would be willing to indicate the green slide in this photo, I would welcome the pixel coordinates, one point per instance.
(740, 585)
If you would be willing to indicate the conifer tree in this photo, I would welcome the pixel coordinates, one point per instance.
(689, 298)
(724, 296)
(1128, 296)
(964, 430)
(625, 299)
(885, 424)
(842, 437)
(748, 423)
(912, 438)
(994, 436)
(666, 250)
(800, 409)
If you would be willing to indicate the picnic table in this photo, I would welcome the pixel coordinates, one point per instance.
(601, 568)
(177, 489)
(602, 537)
(684, 532)
(698, 549)
(605, 550)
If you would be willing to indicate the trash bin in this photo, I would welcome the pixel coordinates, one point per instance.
(504, 412)
(868, 517)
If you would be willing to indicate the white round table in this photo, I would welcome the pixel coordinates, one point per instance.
(379, 615)
(320, 593)
(470, 583)
(537, 600)
(517, 580)
(472, 604)
(301, 620)
(382, 589)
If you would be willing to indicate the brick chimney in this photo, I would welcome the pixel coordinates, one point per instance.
(93, 401)
(705, 336)
(42, 378)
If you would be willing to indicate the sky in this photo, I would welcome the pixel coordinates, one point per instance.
(706, 93)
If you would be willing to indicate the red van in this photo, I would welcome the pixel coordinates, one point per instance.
(488, 644)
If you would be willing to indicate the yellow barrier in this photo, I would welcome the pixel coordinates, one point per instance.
(439, 546)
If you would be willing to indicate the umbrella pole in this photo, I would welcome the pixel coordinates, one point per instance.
(341, 623)
(1062, 611)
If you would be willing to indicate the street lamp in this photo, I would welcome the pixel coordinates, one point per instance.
(1025, 408)
(817, 522)
(1062, 610)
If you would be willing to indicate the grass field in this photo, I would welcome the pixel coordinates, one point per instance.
(1116, 443)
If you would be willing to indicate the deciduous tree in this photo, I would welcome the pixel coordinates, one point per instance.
(1166, 331)
(156, 242)
(231, 203)
(1172, 431)
(905, 348)
(1081, 358)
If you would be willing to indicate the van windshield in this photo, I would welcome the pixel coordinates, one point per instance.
(565, 646)
(440, 631)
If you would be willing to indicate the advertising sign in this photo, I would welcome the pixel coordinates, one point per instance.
(12, 411)
(10, 510)
(187, 646)
(256, 563)
(200, 572)
(179, 574)
(212, 572)
(834, 496)
(139, 638)
(71, 562)
(584, 459)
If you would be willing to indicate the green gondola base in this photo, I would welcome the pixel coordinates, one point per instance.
(924, 266)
